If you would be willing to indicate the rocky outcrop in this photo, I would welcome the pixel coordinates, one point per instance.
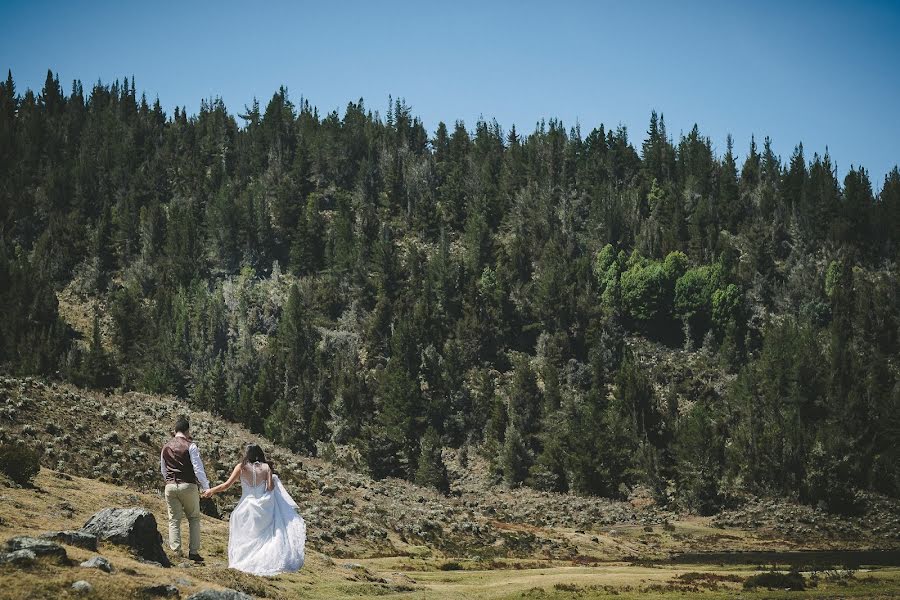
(132, 527)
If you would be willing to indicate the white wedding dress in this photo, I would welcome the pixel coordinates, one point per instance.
(267, 535)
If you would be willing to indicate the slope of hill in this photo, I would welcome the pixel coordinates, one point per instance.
(367, 536)
(59, 501)
(115, 439)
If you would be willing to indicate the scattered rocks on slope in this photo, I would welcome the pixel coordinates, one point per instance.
(349, 514)
(132, 527)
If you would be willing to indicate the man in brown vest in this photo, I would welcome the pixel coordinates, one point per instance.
(182, 470)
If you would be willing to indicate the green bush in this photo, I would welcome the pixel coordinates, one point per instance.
(675, 265)
(648, 286)
(603, 260)
(643, 290)
(774, 580)
(19, 462)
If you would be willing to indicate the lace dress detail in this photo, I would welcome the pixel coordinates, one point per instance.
(254, 474)
(267, 535)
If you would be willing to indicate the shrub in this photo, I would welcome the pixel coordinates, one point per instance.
(774, 580)
(19, 462)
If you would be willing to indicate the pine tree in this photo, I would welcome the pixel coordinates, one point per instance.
(96, 370)
(889, 218)
(294, 359)
(729, 196)
(858, 207)
(524, 401)
(400, 417)
(515, 458)
(431, 471)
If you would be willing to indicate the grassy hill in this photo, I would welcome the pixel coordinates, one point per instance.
(388, 537)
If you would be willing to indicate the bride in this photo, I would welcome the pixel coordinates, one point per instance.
(266, 535)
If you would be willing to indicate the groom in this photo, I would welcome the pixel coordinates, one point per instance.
(182, 470)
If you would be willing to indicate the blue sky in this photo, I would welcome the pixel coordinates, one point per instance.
(823, 73)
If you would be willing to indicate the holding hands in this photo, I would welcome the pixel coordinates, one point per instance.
(235, 475)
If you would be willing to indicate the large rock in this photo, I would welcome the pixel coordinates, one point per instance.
(19, 558)
(73, 538)
(163, 590)
(132, 527)
(219, 595)
(38, 546)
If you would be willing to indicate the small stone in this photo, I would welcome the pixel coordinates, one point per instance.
(98, 562)
(82, 587)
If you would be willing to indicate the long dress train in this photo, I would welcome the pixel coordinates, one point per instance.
(267, 535)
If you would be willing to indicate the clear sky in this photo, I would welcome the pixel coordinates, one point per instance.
(824, 73)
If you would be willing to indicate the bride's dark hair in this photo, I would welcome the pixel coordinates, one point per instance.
(253, 453)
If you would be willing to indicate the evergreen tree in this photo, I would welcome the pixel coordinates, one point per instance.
(515, 458)
(431, 471)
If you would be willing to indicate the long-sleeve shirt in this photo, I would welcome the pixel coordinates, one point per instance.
(196, 463)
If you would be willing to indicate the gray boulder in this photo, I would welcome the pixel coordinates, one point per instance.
(73, 538)
(98, 562)
(19, 558)
(161, 591)
(82, 587)
(219, 595)
(38, 546)
(132, 527)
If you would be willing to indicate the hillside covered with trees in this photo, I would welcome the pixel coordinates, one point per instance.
(352, 280)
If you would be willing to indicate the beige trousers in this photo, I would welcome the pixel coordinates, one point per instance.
(183, 500)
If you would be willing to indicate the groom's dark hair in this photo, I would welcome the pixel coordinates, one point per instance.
(182, 424)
